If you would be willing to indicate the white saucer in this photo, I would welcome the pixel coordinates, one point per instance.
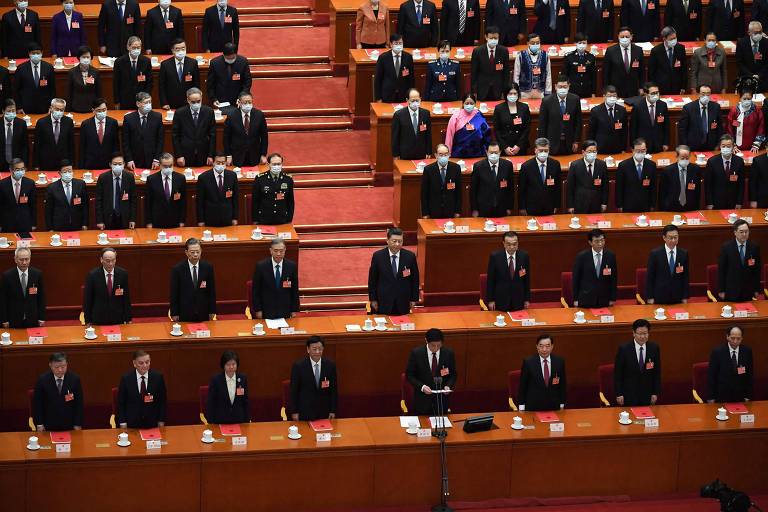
(660, 318)
(91, 337)
(257, 238)
(580, 321)
(641, 225)
(368, 329)
(536, 227)
(572, 226)
(207, 239)
(499, 325)
(726, 316)
(175, 334)
(628, 422)
(56, 245)
(490, 230)
(519, 427)
(127, 443)
(721, 419)
(381, 328)
(449, 230)
(41, 182)
(297, 436)
(162, 241)
(262, 333)
(678, 223)
(6, 343)
(103, 243)
(29, 447)
(202, 439)
(412, 432)
(89, 181)
(417, 57)
(5, 246)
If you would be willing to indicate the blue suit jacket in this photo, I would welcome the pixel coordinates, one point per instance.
(65, 42)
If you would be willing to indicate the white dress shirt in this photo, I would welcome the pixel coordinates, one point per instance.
(106, 279)
(397, 258)
(276, 264)
(138, 380)
(189, 263)
(637, 351)
(512, 257)
(231, 386)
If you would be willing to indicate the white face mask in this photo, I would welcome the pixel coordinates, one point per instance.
(101, 115)
(167, 171)
(492, 43)
(22, 5)
(639, 156)
(66, 177)
(195, 107)
(165, 3)
(275, 168)
(69, 7)
(611, 100)
(230, 61)
(397, 48)
(493, 158)
(542, 156)
(562, 92)
(726, 151)
(85, 61)
(181, 54)
(590, 157)
(414, 104)
(469, 108)
(581, 46)
(246, 107)
(511, 98)
(624, 41)
(704, 99)
(746, 104)
(135, 52)
(222, 3)
(444, 56)
(756, 38)
(683, 163)
(653, 98)
(117, 170)
(671, 43)
(219, 168)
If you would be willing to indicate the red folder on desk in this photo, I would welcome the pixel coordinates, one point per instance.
(230, 430)
(321, 425)
(736, 408)
(61, 437)
(41, 332)
(547, 417)
(519, 315)
(150, 434)
(600, 311)
(116, 233)
(745, 306)
(268, 230)
(193, 328)
(70, 236)
(397, 320)
(642, 413)
(594, 219)
(545, 220)
(695, 215)
(110, 329)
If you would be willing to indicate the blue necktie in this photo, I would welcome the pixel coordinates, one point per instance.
(741, 253)
(552, 14)
(562, 107)
(672, 262)
(641, 359)
(120, 10)
(543, 173)
(394, 264)
(221, 17)
(418, 13)
(277, 276)
(639, 171)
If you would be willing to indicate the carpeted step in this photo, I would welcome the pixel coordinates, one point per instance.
(333, 179)
(301, 96)
(323, 151)
(309, 123)
(335, 269)
(291, 70)
(249, 5)
(286, 44)
(334, 302)
(283, 19)
(343, 239)
(343, 207)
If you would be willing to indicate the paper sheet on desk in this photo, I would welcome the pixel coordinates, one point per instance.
(404, 420)
(444, 422)
(107, 61)
(276, 323)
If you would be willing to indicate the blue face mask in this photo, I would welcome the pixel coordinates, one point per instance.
(469, 108)
(101, 116)
(442, 161)
(493, 158)
(590, 157)
(10, 116)
(18, 173)
(444, 56)
(36, 58)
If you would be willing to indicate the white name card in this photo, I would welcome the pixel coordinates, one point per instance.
(203, 333)
(529, 322)
(748, 219)
(35, 340)
(153, 444)
(240, 441)
(323, 437)
(606, 319)
(652, 423)
(63, 448)
(557, 427)
(549, 226)
(220, 238)
(694, 221)
(655, 223)
(740, 313)
(126, 240)
(462, 229)
(24, 243)
(407, 326)
(285, 235)
(747, 418)
(287, 330)
(604, 224)
(502, 227)
(250, 174)
(73, 242)
(681, 316)
(174, 239)
(115, 337)
(424, 432)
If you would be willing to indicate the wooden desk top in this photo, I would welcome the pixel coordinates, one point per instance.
(70, 62)
(91, 11)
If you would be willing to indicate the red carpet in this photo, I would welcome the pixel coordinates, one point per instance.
(338, 267)
(305, 94)
(285, 42)
(343, 205)
(325, 148)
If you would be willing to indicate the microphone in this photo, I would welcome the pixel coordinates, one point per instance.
(438, 383)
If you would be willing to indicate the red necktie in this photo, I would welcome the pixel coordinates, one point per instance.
(143, 386)
(101, 132)
(247, 123)
(109, 284)
(221, 183)
(546, 373)
(492, 57)
(167, 188)
(434, 364)
(512, 266)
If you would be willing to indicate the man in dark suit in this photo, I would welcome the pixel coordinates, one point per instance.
(460, 22)
(6, 91)
(217, 195)
(587, 182)
(758, 182)
(637, 370)
(166, 196)
(418, 22)
(636, 181)
(227, 401)
(132, 75)
(608, 124)
(441, 187)
(162, 24)
(752, 55)
(686, 16)
(540, 182)
(393, 278)
(143, 135)
(229, 76)
(560, 119)
(19, 27)
(553, 20)
(724, 178)
(273, 201)
(57, 403)
(730, 376)
(491, 192)
(116, 197)
(34, 83)
(511, 19)
(680, 184)
(624, 65)
(700, 126)
(412, 130)
(508, 286)
(246, 136)
(23, 293)
(650, 120)
(106, 298)
(642, 16)
(595, 20)
(13, 137)
(275, 285)
(66, 202)
(726, 19)
(738, 267)
(667, 274)
(314, 387)
(194, 132)
(394, 75)
(177, 76)
(667, 65)
(141, 396)
(760, 11)
(118, 20)
(99, 138)
(543, 384)
(580, 66)
(18, 213)
(595, 274)
(193, 286)
(426, 364)
(54, 138)
(490, 67)
(221, 25)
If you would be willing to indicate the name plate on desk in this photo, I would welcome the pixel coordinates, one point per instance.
(285, 235)
(115, 337)
(549, 226)
(557, 427)
(219, 238)
(240, 441)
(24, 243)
(655, 223)
(63, 448)
(604, 224)
(682, 316)
(35, 340)
(462, 229)
(502, 227)
(652, 423)
(174, 239)
(73, 242)
(748, 219)
(154, 444)
(323, 437)
(528, 322)
(407, 326)
(126, 240)
(424, 432)
(287, 330)
(694, 221)
(606, 319)
(203, 333)
(747, 418)
(740, 313)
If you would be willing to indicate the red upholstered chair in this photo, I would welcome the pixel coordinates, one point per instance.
(82, 301)
(483, 288)
(406, 393)
(202, 398)
(113, 418)
(249, 292)
(31, 420)
(640, 274)
(700, 381)
(286, 391)
(513, 383)
(352, 36)
(765, 280)
(712, 282)
(605, 379)
(566, 289)
(199, 37)
(248, 208)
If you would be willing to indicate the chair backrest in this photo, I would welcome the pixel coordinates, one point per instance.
(640, 274)
(202, 398)
(765, 277)
(352, 36)
(199, 37)
(513, 383)
(483, 286)
(699, 379)
(112, 418)
(31, 420)
(566, 289)
(406, 393)
(286, 390)
(249, 295)
(605, 380)
(712, 282)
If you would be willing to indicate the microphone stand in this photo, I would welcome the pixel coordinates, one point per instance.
(441, 433)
